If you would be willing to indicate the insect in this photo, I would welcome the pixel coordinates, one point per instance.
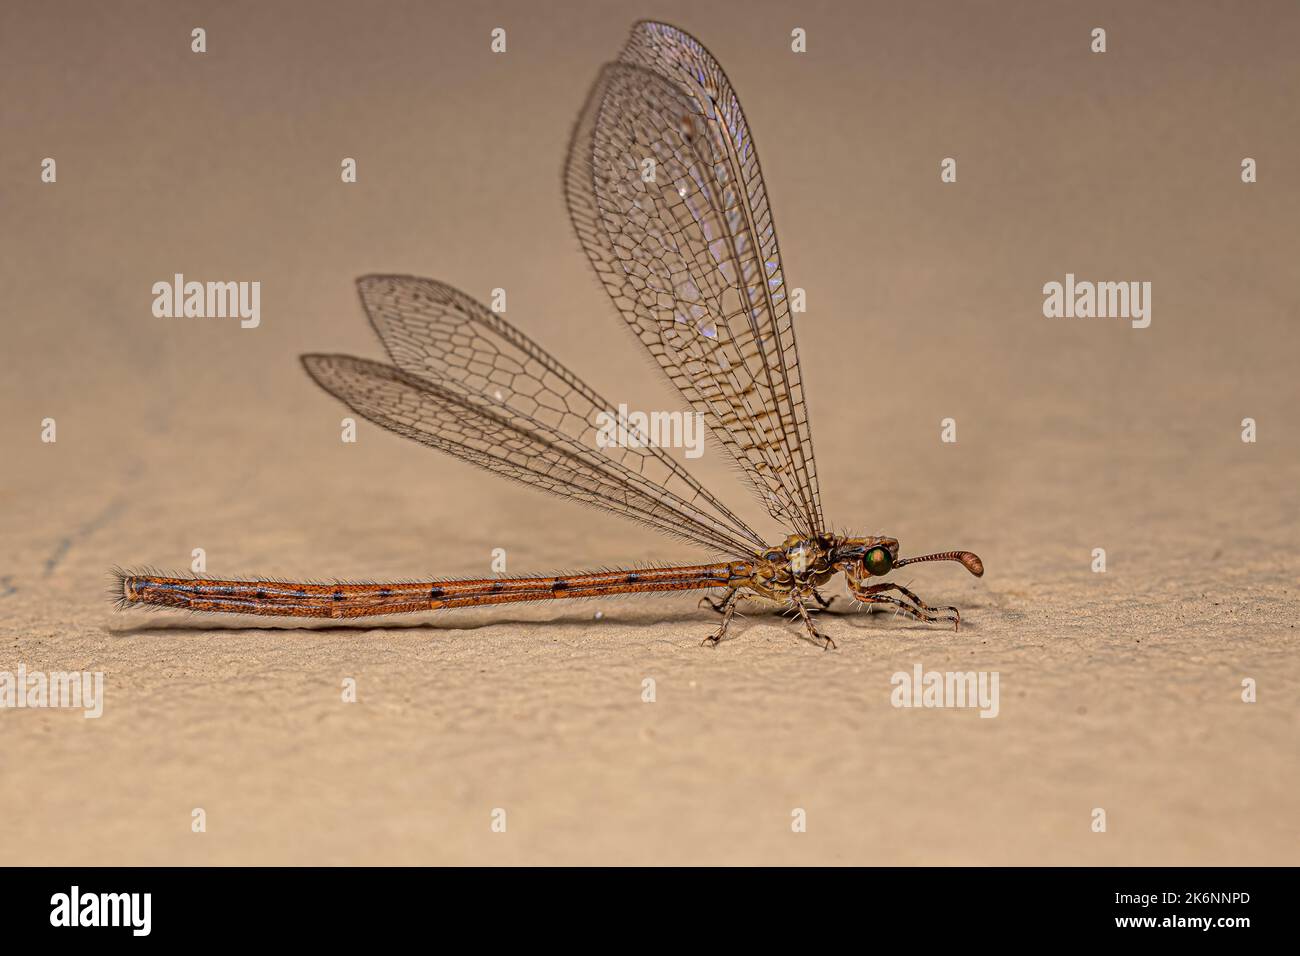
(666, 196)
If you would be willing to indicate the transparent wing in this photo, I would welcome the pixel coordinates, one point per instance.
(666, 195)
(473, 386)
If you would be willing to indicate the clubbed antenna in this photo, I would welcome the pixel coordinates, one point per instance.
(969, 560)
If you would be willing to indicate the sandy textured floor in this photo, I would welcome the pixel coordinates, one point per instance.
(1119, 690)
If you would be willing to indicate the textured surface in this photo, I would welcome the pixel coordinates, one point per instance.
(1118, 690)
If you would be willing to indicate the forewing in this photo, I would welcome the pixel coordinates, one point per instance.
(445, 337)
(666, 195)
(474, 428)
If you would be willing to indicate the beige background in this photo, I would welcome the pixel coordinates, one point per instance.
(1119, 690)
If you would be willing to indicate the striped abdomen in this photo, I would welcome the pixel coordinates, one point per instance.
(363, 600)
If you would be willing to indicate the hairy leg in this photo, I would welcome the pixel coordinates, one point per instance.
(719, 606)
(921, 611)
(824, 602)
(727, 610)
(817, 636)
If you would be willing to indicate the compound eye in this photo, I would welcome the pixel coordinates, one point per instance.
(877, 562)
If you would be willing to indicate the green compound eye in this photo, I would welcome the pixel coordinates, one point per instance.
(878, 562)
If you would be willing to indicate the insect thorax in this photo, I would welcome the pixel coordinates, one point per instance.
(797, 563)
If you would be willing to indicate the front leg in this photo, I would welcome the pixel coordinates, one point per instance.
(922, 611)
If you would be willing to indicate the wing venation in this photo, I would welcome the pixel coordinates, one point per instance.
(667, 198)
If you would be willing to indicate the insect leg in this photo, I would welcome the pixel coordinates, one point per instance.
(816, 635)
(728, 609)
(922, 611)
(718, 606)
(825, 602)
(901, 605)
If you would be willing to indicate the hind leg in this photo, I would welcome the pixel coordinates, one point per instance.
(719, 606)
(727, 610)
